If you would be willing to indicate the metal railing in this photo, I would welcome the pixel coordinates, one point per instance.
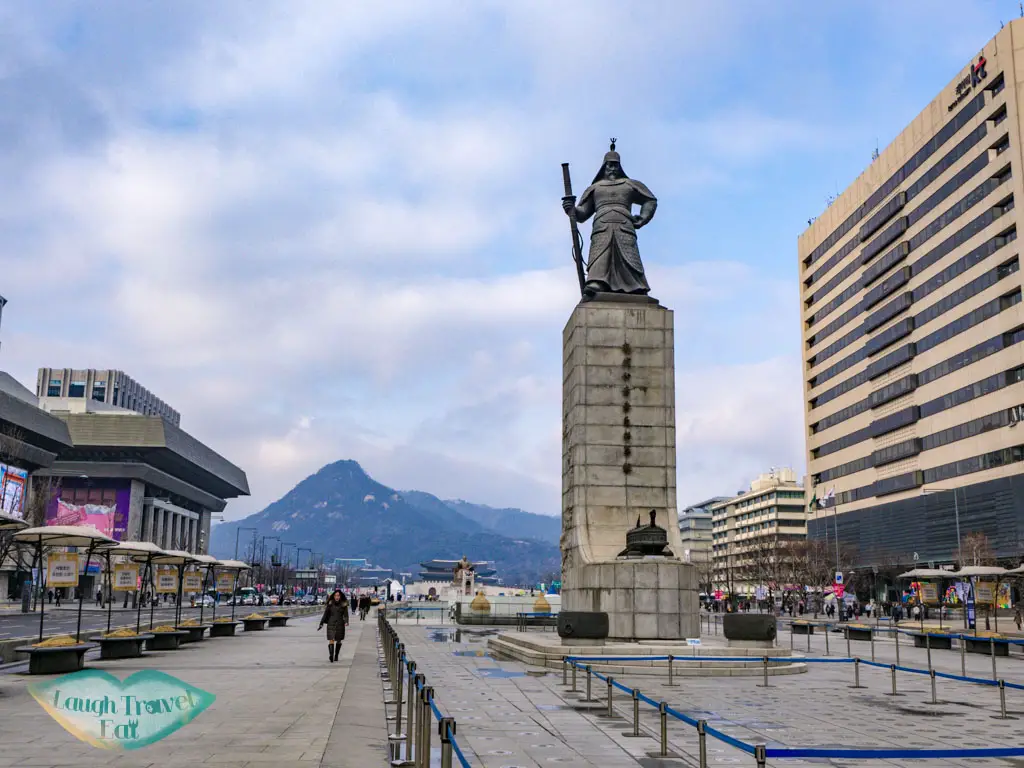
(404, 686)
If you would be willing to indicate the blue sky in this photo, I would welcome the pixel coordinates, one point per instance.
(332, 230)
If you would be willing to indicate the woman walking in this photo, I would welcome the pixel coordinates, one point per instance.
(335, 617)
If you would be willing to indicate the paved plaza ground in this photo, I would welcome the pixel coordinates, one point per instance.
(512, 715)
(279, 703)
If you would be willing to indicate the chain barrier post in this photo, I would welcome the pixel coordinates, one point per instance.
(1002, 700)
(414, 726)
(636, 711)
(810, 628)
(670, 660)
(992, 651)
(574, 677)
(826, 639)
(846, 631)
(760, 755)
(897, 633)
(872, 632)
(963, 657)
(702, 742)
(446, 729)
(764, 664)
(428, 696)
(928, 648)
(931, 673)
(663, 716)
(791, 640)
(856, 673)
(892, 671)
(590, 677)
(611, 689)
(565, 671)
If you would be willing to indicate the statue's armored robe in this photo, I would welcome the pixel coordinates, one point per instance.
(614, 261)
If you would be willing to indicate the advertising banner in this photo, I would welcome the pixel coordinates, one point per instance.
(330, 578)
(126, 576)
(13, 482)
(167, 580)
(984, 592)
(225, 582)
(193, 581)
(62, 570)
(930, 593)
(109, 517)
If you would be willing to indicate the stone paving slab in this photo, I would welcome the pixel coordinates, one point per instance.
(507, 717)
(277, 703)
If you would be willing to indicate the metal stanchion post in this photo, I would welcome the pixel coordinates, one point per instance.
(760, 755)
(663, 716)
(856, 673)
(826, 639)
(565, 671)
(590, 678)
(702, 742)
(446, 729)
(574, 677)
(611, 688)
(670, 660)
(412, 739)
(791, 641)
(846, 631)
(897, 635)
(931, 674)
(764, 662)
(928, 649)
(992, 651)
(872, 645)
(963, 657)
(636, 711)
(809, 628)
(892, 670)
(399, 678)
(1002, 700)
(428, 695)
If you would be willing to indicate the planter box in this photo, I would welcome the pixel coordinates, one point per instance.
(749, 627)
(254, 625)
(165, 641)
(121, 647)
(193, 634)
(802, 628)
(223, 628)
(860, 633)
(56, 661)
(986, 646)
(279, 621)
(924, 640)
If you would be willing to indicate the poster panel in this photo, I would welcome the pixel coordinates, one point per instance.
(193, 581)
(62, 569)
(167, 580)
(126, 576)
(930, 593)
(984, 592)
(13, 482)
(225, 582)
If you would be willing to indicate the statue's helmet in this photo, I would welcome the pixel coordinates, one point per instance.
(611, 156)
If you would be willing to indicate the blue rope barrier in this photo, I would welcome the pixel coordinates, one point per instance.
(680, 716)
(889, 754)
(458, 750)
(727, 739)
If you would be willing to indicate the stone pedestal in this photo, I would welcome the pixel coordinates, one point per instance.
(619, 462)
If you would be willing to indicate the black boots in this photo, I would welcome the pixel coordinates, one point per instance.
(330, 651)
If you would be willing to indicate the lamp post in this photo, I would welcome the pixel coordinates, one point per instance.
(263, 553)
(925, 491)
(238, 531)
(284, 567)
(298, 557)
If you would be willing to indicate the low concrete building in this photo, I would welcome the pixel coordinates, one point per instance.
(695, 530)
(68, 389)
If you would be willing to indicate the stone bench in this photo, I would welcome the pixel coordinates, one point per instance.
(860, 632)
(986, 645)
(802, 628)
(929, 640)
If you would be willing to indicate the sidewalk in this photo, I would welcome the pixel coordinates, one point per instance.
(278, 700)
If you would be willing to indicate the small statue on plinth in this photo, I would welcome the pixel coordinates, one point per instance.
(647, 540)
(613, 265)
(464, 576)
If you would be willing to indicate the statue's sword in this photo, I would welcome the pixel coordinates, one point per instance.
(577, 241)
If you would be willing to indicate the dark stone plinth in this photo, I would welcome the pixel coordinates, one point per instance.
(749, 626)
(860, 633)
(55, 661)
(194, 633)
(583, 625)
(279, 621)
(802, 628)
(121, 647)
(986, 646)
(938, 642)
(223, 628)
(165, 641)
(254, 625)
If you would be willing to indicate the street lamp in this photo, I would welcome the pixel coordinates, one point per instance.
(263, 552)
(238, 531)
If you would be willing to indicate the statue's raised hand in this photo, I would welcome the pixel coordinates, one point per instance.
(569, 206)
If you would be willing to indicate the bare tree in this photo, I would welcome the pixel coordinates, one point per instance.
(975, 549)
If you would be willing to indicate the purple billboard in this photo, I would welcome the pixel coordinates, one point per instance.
(103, 507)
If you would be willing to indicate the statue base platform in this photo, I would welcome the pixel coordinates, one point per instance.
(648, 598)
(545, 650)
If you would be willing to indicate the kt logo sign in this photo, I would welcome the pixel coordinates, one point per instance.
(978, 72)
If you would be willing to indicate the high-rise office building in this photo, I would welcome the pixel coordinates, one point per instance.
(68, 386)
(913, 328)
